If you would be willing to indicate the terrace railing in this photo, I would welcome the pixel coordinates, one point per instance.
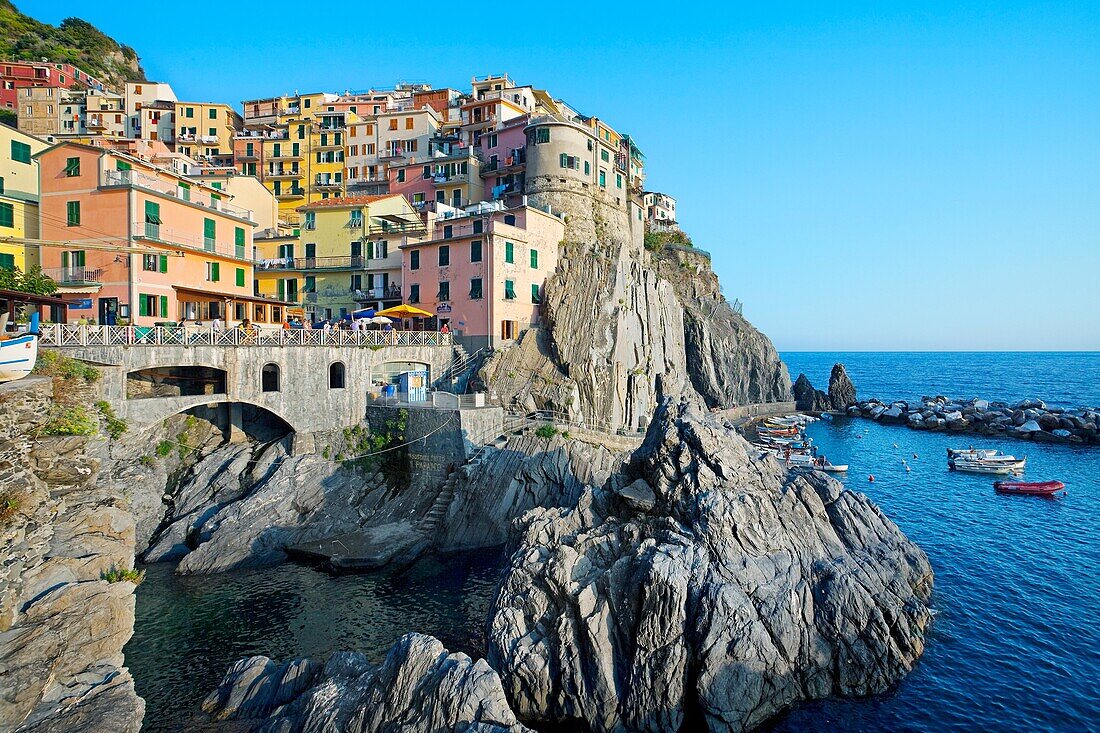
(73, 335)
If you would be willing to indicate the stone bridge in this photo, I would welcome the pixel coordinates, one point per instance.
(320, 384)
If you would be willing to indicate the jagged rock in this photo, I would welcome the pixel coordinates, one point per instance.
(638, 496)
(808, 399)
(419, 687)
(841, 390)
(1029, 427)
(743, 591)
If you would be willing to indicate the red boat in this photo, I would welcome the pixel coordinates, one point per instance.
(1031, 488)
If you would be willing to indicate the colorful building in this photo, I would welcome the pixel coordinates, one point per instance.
(18, 196)
(481, 271)
(349, 256)
(143, 243)
(151, 111)
(660, 210)
(205, 131)
(16, 75)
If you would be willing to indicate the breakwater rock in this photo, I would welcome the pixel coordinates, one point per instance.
(66, 535)
(1029, 419)
(704, 588)
(419, 687)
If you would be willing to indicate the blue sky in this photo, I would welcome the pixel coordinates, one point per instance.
(868, 176)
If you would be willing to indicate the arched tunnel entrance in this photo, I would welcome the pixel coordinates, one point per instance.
(174, 381)
(243, 421)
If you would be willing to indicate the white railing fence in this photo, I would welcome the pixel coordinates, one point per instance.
(73, 335)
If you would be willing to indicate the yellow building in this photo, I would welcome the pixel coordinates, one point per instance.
(348, 257)
(205, 130)
(18, 196)
(295, 146)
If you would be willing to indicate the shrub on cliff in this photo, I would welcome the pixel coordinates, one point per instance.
(116, 574)
(54, 364)
(70, 420)
(656, 241)
(10, 502)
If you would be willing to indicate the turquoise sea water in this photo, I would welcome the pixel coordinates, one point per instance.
(1015, 645)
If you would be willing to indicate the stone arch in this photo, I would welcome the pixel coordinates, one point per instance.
(337, 375)
(168, 411)
(270, 377)
(175, 381)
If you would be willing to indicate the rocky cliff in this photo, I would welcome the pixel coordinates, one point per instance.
(841, 394)
(705, 589)
(66, 536)
(624, 326)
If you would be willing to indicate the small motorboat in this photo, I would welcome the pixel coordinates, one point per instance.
(834, 467)
(1000, 467)
(19, 353)
(1029, 488)
(971, 453)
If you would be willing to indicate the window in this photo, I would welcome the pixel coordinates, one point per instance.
(212, 113)
(336, 375)
(509, 290)
(7, 261)
(408, 123)
(510, 219)
(240, 277)
(7, 215)
(491, 141)
(587, 168)
(618, 180)
(209, 234)
(1, 184)
(310, 285)
(311, 220)
(604, 156)
(508, 330)
(569, 161)
(535, 294)
(479, 226)
(444, 255)
(20, 152)
(238, 242)
(509, 255)
(542, 135)
(448, 231)
(72, 213)
(401, 175)
(414, 259)
(72, 167)
(213, 271)
(427, 172)
(534, 259)
(152, 305)
(154, 263)
(189, 112)
(269, 378)
(414, 293)
(444, 290)
(475, 251)
(475, 289)
(393, 123)
(603, 178)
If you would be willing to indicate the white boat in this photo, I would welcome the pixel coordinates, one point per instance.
(973, 453)
(834, 467)
(18, 353)
(999, 469)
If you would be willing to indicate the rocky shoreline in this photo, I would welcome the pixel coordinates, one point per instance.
(1029, 419)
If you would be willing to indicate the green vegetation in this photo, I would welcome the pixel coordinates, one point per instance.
(10, 503)
(147, 461)
(115, 426)
(53, 364)
(546, 430)
(70, 420)
(656, 241)
(164, 447)
(362, 446)
(9, 118)
(116, 574)
(75, 41)
(32, 281)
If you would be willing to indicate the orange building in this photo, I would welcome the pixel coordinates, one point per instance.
(195, 248)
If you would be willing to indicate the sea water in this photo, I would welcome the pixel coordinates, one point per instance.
(1015, 644)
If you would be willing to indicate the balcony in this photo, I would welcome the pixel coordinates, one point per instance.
(374, 294)
(75, 275)
(262, 135)
(313, 263)
(283, 173)
(285, 155)
(294, 193)
(386, 227)
(95, 122)
(330, 145)
(192, 195)
(208, 139)
(186, 137)
(180, 239)
(244, 155)
(514, 162)
(328, 184)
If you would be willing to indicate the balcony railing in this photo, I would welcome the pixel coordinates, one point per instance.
(65, 335)
(76, 275)
(390, 293)
(283, 173)
(312, 263)
(262, 135)
(161, 234)
(191, 195)
(292, 193)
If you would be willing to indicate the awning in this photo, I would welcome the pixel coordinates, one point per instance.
(78, 289)
(404, 311)
(212, 295)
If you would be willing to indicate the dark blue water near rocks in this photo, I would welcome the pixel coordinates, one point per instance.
(1015, 645)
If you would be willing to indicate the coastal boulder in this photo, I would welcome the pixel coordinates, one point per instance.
(419, 687)
(742, 591)
(808, 399)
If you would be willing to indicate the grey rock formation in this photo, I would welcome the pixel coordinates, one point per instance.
(419, 687)
(62, 627)
(808, 399)
(740, 592)
(842, 392)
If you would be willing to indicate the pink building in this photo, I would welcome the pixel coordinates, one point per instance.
(15, 75)
(143, 243)
(481, 273)
(504, 161)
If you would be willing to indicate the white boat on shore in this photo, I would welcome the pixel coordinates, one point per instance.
(18, 353)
